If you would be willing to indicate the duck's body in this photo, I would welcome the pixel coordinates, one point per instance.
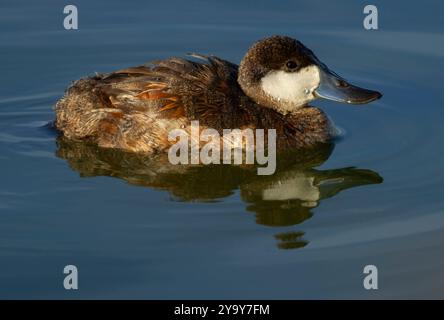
(135, 109)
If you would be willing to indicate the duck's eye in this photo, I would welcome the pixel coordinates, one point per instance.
(291, 64)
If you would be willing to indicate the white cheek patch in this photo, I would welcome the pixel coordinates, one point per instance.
(295, 88)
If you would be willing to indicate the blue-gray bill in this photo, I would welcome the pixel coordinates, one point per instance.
(333, 87)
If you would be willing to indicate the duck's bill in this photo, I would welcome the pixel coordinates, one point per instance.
(333, 87)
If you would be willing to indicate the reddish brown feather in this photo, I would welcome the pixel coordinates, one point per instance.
(157, 86)
(169, 106)
(153, 95)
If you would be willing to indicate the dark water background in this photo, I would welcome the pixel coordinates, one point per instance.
(211, 232)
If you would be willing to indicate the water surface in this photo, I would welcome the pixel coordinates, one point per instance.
(136, 230)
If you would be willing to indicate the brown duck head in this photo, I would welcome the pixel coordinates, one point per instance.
(281, 73)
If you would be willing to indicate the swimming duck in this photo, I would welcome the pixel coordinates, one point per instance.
(134, 109)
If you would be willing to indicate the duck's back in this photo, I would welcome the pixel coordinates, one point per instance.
(135, 108)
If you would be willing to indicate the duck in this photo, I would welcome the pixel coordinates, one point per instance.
(134, 109)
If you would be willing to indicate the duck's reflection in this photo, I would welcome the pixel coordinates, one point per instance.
(285, 198)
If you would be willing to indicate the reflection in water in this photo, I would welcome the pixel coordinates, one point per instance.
(285, 198)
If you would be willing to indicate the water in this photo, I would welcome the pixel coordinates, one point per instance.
(135, 230)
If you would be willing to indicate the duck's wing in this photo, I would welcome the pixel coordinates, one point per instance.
(135, 108)
(176, 87)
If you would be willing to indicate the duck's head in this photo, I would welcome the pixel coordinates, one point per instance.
(281, 73)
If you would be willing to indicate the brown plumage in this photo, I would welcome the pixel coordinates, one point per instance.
(134, 109)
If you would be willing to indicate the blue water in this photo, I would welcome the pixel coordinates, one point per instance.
(134, 231)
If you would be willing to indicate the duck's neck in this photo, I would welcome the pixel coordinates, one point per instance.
(301, 127)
